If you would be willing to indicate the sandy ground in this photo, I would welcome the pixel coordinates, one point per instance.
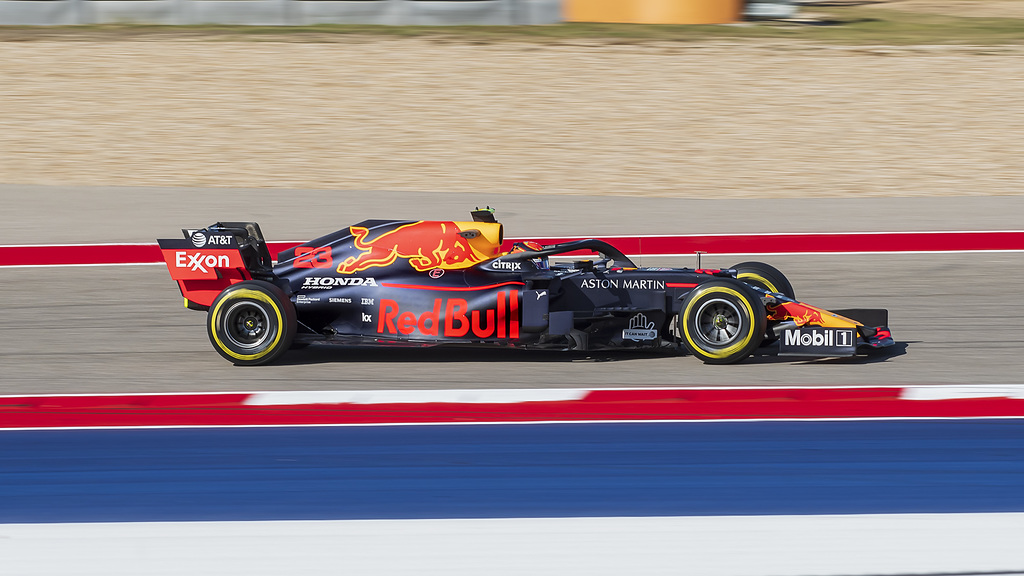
(967, 8)
(722, 119)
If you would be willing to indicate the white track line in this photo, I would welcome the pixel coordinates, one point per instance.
(819, 545)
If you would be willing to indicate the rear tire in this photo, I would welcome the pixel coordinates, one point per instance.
(764, 276)
(251, 323)
(722, 322)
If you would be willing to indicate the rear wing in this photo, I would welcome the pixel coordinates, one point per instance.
(208, 260)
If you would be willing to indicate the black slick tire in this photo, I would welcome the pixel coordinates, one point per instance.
(251, 323)
(764, 276)
(722, 322)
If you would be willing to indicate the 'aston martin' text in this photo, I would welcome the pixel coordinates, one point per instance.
(625, 283)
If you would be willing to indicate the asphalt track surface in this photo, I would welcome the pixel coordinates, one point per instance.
(123, 329)
(512, 471)
(85, 215)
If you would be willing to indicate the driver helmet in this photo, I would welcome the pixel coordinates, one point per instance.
(540, 263)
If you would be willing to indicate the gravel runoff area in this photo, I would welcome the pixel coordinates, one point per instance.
(722, 119)
(966, 8)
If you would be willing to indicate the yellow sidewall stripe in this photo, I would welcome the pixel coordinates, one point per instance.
(758, 278)
(687, 328)
(255, 295)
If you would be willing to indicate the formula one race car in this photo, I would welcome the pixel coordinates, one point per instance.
(388, 282)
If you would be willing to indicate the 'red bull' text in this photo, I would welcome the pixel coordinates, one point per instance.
(452, 318)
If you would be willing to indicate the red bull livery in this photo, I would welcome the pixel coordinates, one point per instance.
(426, 283)
(426, 245)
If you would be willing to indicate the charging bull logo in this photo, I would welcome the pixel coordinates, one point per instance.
(799, 313)
(452, 318)
(426, 245)
(806, 315)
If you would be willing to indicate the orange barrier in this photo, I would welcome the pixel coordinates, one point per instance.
(654, 11)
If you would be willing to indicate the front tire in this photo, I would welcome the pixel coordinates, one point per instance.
(722, 322)
(251, 323)
(764, 276)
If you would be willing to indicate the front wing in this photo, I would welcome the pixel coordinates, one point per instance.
(805, 330)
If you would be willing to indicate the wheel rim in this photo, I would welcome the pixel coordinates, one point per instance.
(719, 323)
(247, 325)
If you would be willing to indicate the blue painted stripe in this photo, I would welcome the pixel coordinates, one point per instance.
(491, 471)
